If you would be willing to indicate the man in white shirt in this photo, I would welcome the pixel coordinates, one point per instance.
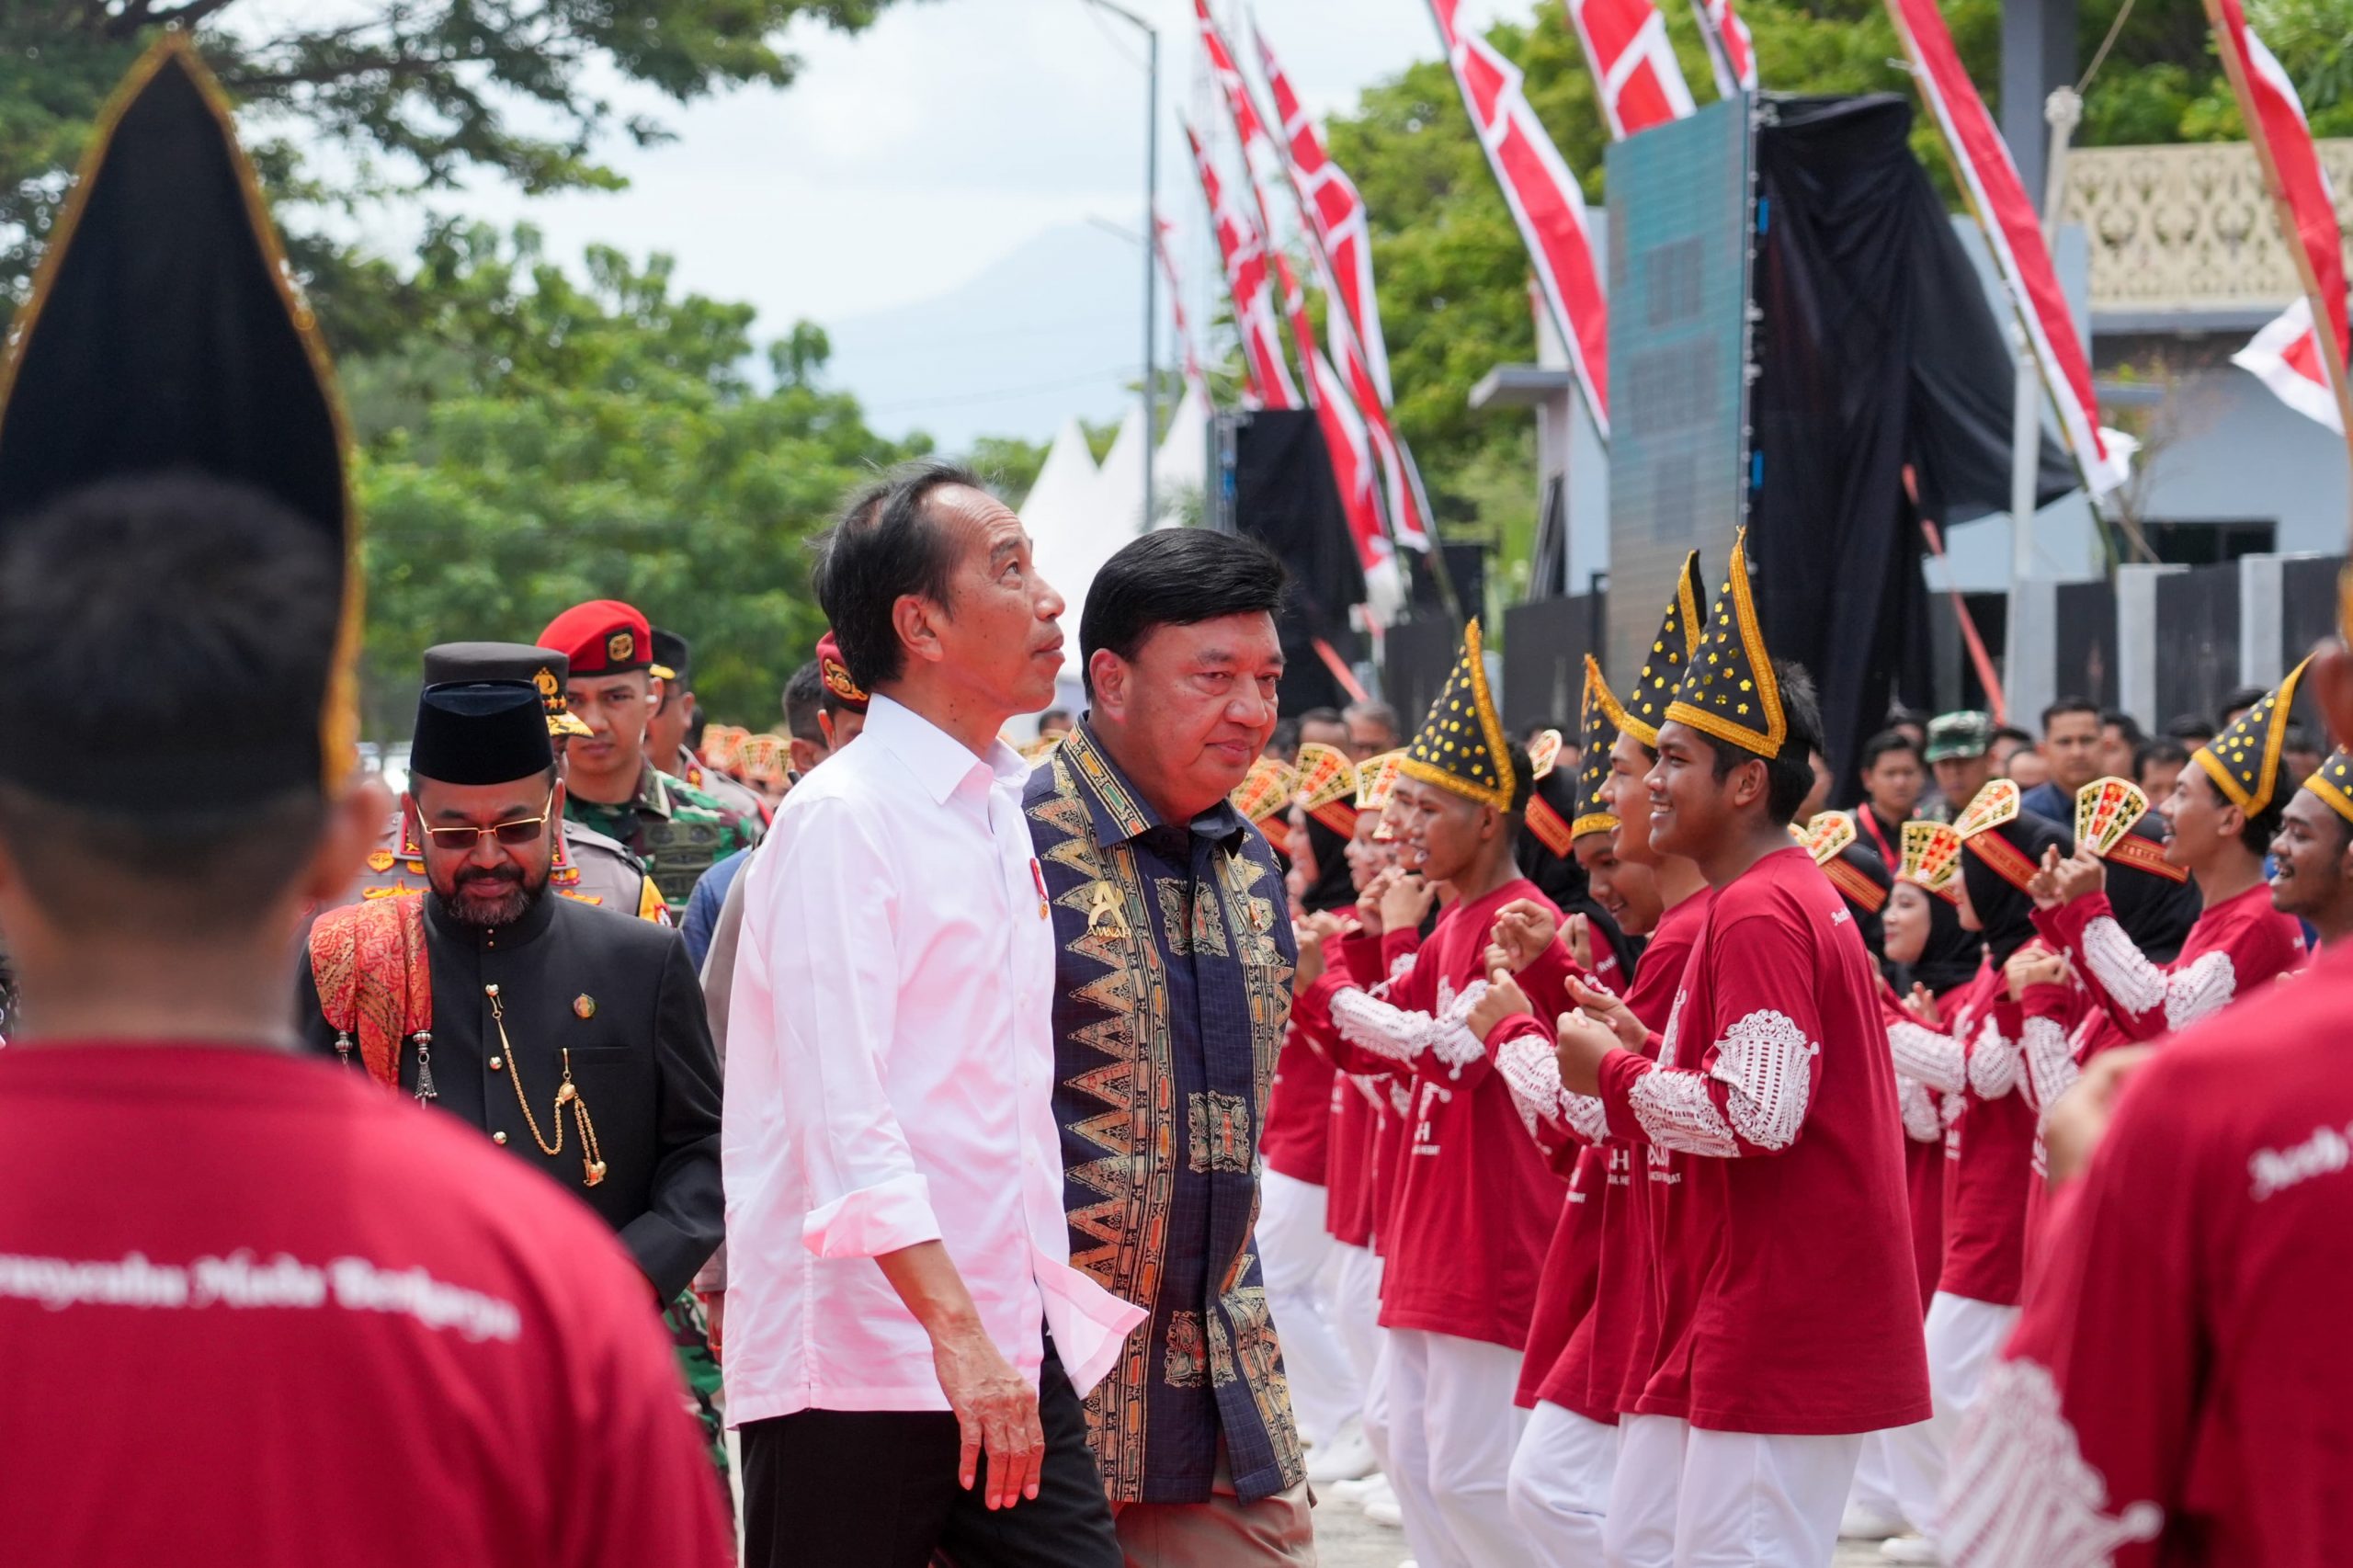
(907, 1342)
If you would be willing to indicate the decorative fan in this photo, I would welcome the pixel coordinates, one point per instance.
(1543, 752)
(2106, 810)
(1993, 806)
(1827, 834)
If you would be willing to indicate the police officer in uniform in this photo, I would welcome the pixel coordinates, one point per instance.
(611, 785)
(589, 867)
(573, 1036)
(669, 734)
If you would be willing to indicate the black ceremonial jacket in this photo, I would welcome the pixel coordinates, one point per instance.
(621, 995)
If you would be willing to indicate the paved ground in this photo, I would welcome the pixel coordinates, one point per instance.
(1345, 1539)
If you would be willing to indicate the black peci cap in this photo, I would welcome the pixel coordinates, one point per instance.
(481, 732)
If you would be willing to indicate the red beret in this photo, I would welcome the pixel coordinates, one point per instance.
(834, 671)
(603, 637)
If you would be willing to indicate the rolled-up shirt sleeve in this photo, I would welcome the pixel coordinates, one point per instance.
(832, 1008)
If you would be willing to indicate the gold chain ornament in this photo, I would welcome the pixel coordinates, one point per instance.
(592, 1160)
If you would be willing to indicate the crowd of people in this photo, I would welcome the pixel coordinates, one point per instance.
(1574, 1149)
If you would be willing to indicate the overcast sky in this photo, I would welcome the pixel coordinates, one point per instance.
(909, 161)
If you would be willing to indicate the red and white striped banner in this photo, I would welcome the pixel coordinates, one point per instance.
(1544, 201)
(1245, 278)
(1634, 69)
(1731, 53)
(1161, 229)
(1350, 445)
(1334, 210)
(2013, 233)
(2305, 367)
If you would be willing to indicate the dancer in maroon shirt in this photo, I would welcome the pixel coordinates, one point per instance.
(1774, 1071)
(253, 1311)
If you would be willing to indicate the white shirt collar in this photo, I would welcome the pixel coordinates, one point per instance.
(940, 761)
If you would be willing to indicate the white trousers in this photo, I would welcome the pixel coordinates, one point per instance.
(1453, 1426)
(1874, 1488)
(1560, 1485)
(1964, 1339)
(1682, 1497)
(1356, 1322)
(1293, 1251)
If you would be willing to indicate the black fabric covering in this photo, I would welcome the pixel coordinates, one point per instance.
(2155, 912)
(1871, 922)
(1283, 497)
(161, 336)
(1877, 353)
(1332, 888)
(1950, 956)
(2005, 913)
(484, 732)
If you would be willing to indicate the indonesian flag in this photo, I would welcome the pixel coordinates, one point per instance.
(1245, 278)
(1258, 149)
(2304, 368)
(2013, 233)
(1334, 209)
(1635, 67)
(1544, 200)
(1161, 229)
(2285, 356)
(1350, 447)
(1731, 53)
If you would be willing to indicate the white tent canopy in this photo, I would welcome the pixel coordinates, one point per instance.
(1180, 469)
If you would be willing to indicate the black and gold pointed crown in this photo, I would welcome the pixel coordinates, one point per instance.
(1729, 690)
(161, 334)
(2333, 782)
(1597, 733)
(1644, 707)
(1461, 746)
(2244, 761)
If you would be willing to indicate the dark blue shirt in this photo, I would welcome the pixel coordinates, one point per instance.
(704, 905)
(1173, 989)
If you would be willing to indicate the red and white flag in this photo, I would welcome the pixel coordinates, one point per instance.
(1349, 444)
(1544, 201)
(2294, 360)
(2285, 356)
(1731, 53)
(1334, 210)
(2013, 233)
(1161, 229)
(1634, 68)
(1268, 372)
(1258, 150)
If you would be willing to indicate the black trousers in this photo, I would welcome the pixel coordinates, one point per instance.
(877, 1489)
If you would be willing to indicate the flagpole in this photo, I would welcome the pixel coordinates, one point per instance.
(1151, 239)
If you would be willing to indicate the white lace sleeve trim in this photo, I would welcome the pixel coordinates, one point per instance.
(1532, 1073)
(2138, 985)
(1932, 1056)
(2206, 986)
(1922, 1124)
(2020, 1491)
(1454, 1045)
(1675, 1112)
(1993, 1063)
(2050, 1066)
(1766, 1061)
(1401, 966)
(1371, 1025)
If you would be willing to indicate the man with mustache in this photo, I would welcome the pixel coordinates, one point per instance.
(573, 1035)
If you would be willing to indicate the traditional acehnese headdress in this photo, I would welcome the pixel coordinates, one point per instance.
(2244, 761)
(1931, 859)
(1461, 746)
(2106, 810)
(1327, 786)
(1551, 795)
(1979, 829)
(1264, 795)
(1646, 704)
(1376, 782)
(1599, 732)
(161, 334)
(2333, 782)
(1828, 836)
(1729, 690)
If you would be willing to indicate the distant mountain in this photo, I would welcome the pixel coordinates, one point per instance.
(1049, 333)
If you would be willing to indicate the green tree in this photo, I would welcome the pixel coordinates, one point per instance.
(542, 441)
(413, 95)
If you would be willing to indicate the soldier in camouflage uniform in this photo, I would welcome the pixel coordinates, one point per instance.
(667, 731)
(589, 867)
(610, 784)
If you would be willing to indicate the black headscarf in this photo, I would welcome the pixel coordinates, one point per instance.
(2005, 912)
(2156, 911)
(1951, 955)
(1330, 889)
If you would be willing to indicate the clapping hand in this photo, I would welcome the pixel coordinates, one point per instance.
(1523, 929)
(1610, 1012)
(2062, 881)
(1504, 997)
(1923, 1002)
(2033, 965)
(1406, 902)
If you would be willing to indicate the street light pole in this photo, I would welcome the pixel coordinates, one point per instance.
(1151, 239)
